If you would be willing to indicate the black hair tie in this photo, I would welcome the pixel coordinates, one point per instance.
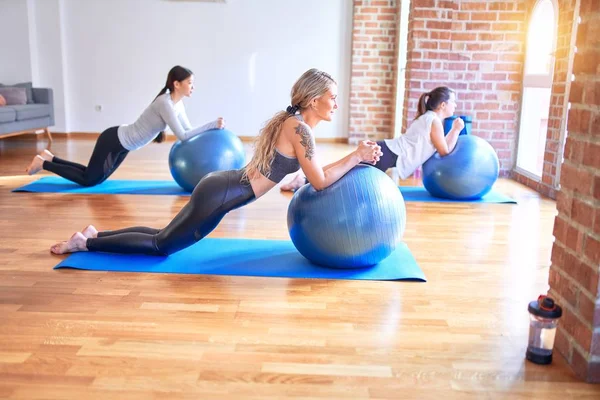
(293, 109)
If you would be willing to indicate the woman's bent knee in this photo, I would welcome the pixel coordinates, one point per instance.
(92, 181)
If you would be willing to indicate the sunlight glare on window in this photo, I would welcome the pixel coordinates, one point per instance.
(539, 39)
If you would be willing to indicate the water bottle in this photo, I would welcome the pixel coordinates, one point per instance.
(543, 320)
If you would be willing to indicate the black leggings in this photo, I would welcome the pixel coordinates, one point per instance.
(214, 196)
(108, 154)
(387, 160)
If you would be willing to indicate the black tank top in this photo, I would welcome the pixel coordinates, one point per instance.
(282, 165)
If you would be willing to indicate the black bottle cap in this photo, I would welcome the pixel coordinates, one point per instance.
(545, 307)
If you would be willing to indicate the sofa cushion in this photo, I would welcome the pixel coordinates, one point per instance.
(30, 111)
(28, 86)
(7, 114)
(13, 95)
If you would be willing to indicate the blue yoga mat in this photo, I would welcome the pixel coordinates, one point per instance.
(55, 184)
(419, 193)
(245, 257)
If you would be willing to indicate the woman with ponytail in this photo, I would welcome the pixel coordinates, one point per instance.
(116, 142)
(422, 139)
(285, 144)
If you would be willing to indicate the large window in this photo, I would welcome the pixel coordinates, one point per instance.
(537, 87)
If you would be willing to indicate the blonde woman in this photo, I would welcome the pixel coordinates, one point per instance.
(284, 145)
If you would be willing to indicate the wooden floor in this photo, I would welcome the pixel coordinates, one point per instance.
(93, 335)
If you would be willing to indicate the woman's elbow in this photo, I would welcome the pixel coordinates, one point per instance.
(318, 186)
(180, 137)
(443, 152)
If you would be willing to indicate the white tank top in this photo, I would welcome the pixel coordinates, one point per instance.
(414, 147)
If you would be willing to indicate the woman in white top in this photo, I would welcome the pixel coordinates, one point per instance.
(116, 142)
(422, 139)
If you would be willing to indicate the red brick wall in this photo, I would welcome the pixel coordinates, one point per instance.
(477, 48)
(374, 60)
(473, 46)
(558, 102)
(575, 270)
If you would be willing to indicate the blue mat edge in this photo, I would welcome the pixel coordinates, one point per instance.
(164, 187)
(65, 267)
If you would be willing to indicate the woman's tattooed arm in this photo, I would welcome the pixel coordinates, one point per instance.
(306, 140)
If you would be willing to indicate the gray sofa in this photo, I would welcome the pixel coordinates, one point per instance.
(37, 114)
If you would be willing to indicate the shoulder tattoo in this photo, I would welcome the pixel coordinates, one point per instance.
(306, 140)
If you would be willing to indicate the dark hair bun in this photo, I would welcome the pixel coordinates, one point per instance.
(293, 109)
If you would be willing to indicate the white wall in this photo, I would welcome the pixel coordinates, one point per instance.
(15, 65)
(246, 55)
(48, 55)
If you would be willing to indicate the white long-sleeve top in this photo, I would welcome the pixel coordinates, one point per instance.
(414, 147)
(155, 119)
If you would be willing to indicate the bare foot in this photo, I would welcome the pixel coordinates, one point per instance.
(90, 232)
(296, 183)
(46, 155)
(77, 242)
(36, 165)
